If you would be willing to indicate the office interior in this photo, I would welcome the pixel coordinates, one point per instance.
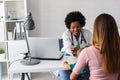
(49, 18)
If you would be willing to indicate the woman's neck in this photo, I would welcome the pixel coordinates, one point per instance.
(77, 37)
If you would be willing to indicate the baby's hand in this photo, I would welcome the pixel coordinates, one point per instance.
(73, 50)
(66, 65)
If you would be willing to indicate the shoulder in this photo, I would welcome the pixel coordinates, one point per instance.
(85, 31)
(84, 54)
(66, 32)
(87, 34)
(87, 50)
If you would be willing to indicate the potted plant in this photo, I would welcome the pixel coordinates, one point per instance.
(2, 53)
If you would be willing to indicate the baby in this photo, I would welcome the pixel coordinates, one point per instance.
(84, 75)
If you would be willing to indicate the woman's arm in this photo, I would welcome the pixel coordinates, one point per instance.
(80, 65)
(66, 43)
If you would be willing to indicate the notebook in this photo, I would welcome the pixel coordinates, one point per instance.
(45, 48)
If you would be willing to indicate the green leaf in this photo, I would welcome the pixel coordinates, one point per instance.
(2, 50)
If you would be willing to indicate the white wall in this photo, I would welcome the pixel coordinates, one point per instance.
(49, 14)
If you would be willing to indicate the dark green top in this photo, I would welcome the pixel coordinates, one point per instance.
(84, 71)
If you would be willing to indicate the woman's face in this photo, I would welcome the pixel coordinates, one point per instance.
(75, 28)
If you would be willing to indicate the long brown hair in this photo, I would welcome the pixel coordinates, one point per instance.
(106, 36)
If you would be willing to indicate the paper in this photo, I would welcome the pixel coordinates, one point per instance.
(19, 31)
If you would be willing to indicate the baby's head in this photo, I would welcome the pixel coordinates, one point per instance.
(78, 51)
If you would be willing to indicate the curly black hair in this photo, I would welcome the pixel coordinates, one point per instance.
(74, 16)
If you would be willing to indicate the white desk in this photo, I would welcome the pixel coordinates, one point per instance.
(43, 66)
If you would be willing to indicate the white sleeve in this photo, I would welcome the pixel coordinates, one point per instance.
(90, 38)
(66, 43)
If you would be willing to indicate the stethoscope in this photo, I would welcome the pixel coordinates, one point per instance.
(82, 39)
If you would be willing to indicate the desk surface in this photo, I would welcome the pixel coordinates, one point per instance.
(43, 66)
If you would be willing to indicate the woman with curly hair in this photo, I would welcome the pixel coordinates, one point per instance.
(74, 38)
(103, 56)
(75, 35)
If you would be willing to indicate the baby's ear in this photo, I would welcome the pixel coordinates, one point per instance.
(78, 52)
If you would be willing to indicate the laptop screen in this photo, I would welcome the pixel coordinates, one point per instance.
(45, 48)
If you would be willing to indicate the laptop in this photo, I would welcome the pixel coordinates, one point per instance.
(45, 48)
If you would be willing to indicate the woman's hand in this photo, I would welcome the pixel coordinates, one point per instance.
(73, 76)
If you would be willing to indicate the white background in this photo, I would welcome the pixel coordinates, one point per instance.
(49, 15)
